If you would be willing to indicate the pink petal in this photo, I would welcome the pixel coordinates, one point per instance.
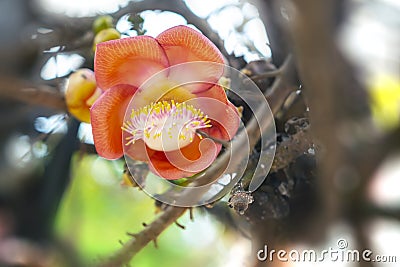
(128, 61)
(138, 150)
(107, 116)
(185, 162)
(183, 44)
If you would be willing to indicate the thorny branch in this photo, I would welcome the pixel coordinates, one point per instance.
(140, 240)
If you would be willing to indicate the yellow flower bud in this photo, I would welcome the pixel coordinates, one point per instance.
(81, 93)
(105, 35)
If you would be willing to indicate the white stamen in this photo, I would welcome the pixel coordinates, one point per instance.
(165, 126)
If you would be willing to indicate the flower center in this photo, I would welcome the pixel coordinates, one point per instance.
(165, 126)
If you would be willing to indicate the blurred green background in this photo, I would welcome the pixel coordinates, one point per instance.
(96, 212)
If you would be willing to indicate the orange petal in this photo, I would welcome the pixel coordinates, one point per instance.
(185, 162)
(107, 116)
(227, 122)
(183, 44)
(223, 114)
(128, 61)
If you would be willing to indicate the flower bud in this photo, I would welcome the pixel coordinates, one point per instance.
(81, 93)
(102, 23)
(105, 35)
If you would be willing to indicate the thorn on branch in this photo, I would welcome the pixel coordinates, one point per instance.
(132, 234)
(180, 225)
(191, 214)
(155, 243)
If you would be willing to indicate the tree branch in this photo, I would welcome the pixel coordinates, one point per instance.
(44, 96)
(62, 35)
(335, 97)
(283, 85)
(287, 151)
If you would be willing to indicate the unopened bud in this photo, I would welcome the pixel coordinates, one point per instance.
(81, 93)
(105, 35)
(102, 23)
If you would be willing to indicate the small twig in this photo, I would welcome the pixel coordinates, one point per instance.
(268, 74)
(282, 86)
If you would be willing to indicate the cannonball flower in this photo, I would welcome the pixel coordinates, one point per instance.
(151, 111)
